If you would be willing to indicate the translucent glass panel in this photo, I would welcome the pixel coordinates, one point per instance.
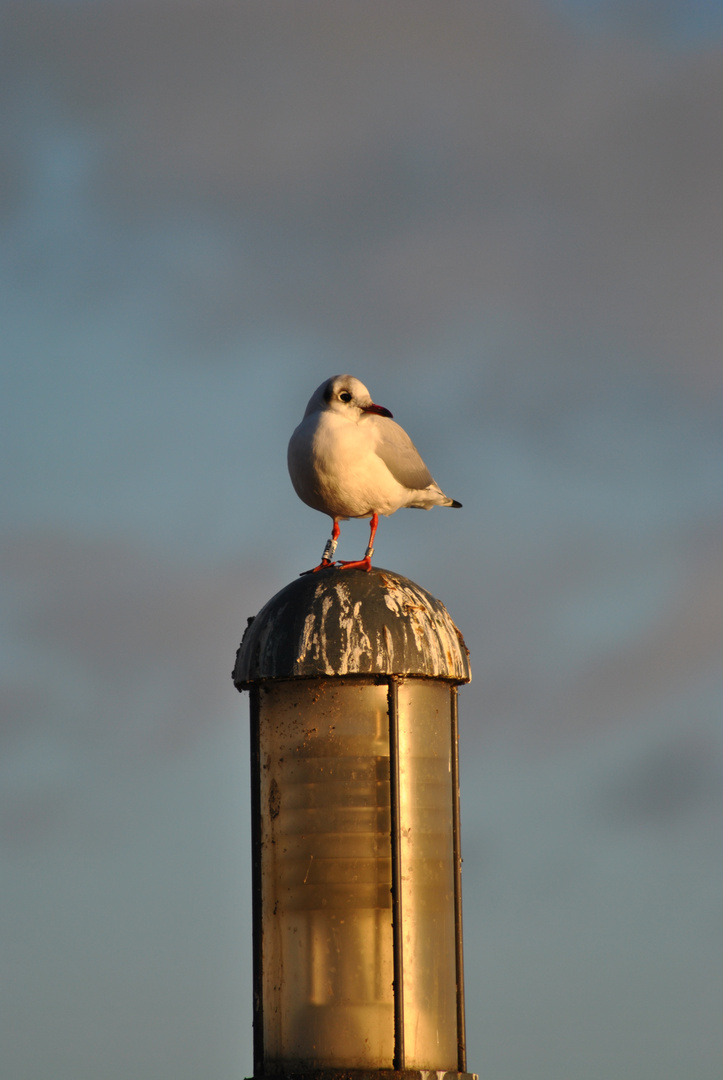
(326, 876)
(430, 976)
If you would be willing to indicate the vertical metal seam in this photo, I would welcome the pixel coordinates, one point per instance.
(256, 895)
(457, 850)
(396, 849)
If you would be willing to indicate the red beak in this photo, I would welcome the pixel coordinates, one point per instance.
(379, 410)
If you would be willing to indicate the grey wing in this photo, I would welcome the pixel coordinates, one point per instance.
(401, 456)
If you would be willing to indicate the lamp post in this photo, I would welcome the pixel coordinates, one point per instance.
(357, 925)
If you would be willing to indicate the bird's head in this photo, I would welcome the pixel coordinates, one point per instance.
(345, 395)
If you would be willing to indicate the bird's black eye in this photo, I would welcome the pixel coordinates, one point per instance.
(345, 396)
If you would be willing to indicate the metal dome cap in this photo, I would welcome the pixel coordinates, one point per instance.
(351, 622)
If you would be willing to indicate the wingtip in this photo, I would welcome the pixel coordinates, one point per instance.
(455, 503)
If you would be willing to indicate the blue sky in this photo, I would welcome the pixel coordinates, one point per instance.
(507, 224)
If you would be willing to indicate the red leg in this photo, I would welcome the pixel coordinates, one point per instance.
(327, 559)
(366, 562)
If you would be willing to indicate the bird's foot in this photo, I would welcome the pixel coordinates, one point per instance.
(364, 564)
(323, 565)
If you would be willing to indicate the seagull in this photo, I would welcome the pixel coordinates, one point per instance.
(349, 459)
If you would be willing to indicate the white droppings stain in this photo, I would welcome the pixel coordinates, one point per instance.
(345, 618)
(355, 641)
(440, 648)
(335, 640)
(326, 606)
(388, 647)
(307, 638)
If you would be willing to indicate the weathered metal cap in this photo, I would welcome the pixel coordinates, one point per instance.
(350, 622)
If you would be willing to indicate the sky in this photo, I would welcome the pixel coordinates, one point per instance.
(506, 220)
